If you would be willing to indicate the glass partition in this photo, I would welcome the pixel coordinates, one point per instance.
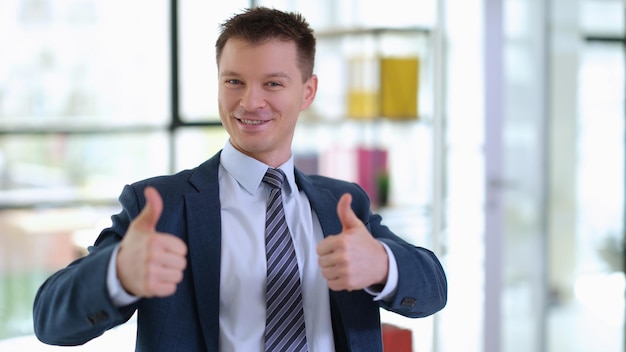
(585, 269)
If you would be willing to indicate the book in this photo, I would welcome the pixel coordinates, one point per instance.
(371, 168)
(363, 88)
(399, 77)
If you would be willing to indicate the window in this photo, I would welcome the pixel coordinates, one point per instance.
(86, 106)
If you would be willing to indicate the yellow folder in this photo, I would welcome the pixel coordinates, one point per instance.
(399, 87)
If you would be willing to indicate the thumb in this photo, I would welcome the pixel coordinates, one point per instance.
(151, 212)
(346, 215)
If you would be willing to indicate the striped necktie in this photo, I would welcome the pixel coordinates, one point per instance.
(284, 324)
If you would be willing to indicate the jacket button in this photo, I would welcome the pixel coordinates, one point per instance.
(408, 302)
(97, 317)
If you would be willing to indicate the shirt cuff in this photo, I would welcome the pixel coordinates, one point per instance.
(391, 285)
(118, 295)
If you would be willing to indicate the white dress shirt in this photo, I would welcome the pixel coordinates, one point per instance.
(243, 198)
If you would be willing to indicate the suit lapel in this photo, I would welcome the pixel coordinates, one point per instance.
(204, 221)
(323, 202)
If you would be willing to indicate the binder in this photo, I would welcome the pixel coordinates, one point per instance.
(399, 87)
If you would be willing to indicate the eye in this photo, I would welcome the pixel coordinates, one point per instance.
(274, 84)
(232, 82)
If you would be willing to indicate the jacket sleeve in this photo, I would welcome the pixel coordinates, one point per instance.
(73, 305)
(422, 285)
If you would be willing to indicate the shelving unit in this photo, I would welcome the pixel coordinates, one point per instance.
(415, 145)
(327, 131)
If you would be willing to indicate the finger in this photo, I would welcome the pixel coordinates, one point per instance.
(161, 278)
(327, 261)
(329, 274)
(171, 260)
(346, 215)
(170, 276)
(161, 288)
(325, 246)
(172, 244)
(151, 212)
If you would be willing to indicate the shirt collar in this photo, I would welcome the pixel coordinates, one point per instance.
(249, 172)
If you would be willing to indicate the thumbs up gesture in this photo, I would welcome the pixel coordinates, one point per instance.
(150, 263)
(352, 259)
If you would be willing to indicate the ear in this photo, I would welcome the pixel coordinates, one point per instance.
(310, 89)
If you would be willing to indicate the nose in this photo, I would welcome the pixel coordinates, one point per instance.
(252, 99)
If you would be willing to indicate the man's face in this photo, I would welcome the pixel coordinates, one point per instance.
(261, 94)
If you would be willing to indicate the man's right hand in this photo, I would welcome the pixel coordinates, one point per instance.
(149, 263)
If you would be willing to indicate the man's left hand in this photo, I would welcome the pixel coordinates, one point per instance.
(352, 259)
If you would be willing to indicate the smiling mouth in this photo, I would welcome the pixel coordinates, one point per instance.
(251, 122)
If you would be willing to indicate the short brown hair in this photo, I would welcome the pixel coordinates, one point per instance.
(258, 25)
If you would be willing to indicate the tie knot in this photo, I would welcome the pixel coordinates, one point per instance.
(274, 177)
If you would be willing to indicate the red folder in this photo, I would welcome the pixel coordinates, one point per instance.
(396, 339)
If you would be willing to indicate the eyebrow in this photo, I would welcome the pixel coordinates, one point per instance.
(270, 75)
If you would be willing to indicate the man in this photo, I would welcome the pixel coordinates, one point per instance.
(188, 253)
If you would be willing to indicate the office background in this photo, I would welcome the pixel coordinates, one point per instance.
(512, 170)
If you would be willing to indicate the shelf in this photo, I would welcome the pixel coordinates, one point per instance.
(53, 197)
(63, 127)
(338, 33)
(77, 130)
(307, 118)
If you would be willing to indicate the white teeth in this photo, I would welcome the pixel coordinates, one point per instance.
(251, 122)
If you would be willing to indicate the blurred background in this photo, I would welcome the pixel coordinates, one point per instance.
(491, 131)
